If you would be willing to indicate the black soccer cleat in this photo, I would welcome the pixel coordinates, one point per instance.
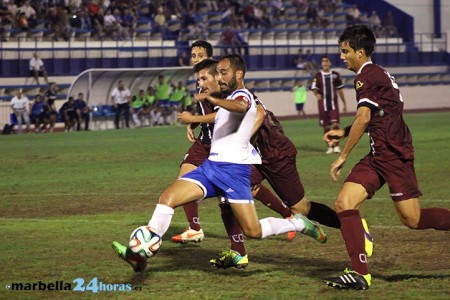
(349, 280)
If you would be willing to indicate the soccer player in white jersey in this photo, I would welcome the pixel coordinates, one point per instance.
(226, 173)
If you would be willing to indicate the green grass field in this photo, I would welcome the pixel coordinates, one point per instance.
(65, 196)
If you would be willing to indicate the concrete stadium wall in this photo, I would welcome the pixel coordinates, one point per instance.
(415, 97)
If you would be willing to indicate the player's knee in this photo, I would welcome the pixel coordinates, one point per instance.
(252, 233)
(411, 221)
(167, 198)
(302, 207)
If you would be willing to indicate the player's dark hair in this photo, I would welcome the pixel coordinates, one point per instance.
(209, 64)
(325, 56)
(237, 63)
(203, 44)
(359, 37)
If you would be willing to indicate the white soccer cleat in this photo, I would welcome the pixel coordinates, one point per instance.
(189, 236)
(337, 149)
(329, 151)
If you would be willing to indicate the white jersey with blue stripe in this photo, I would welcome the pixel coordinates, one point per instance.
(232, 133)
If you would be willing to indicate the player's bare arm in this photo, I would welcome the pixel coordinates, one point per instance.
(186, 117)
(237, 105)
(190, 134)
(359, 126)
(344, 103)
(260, 114)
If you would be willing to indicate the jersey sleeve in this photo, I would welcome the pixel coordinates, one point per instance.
(365, 95)
(242, 96)
(315, 82)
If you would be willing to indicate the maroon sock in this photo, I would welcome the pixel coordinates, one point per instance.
(271, 201)
(324, 215)
(353, 233)
(191, 210)
(335, 127)
(233, 229)
(437, 218)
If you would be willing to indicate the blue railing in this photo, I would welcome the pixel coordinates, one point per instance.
(73, 57)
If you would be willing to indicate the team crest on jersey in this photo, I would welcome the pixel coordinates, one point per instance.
(359, 84)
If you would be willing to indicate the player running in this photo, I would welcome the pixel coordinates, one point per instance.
(391, 159)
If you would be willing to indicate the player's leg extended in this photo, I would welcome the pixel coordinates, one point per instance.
(347, 203)
(246, 215)
(414, 217)
(194, 232)
(177, 194)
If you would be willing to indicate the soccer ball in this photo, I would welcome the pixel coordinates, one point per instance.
(144, 242)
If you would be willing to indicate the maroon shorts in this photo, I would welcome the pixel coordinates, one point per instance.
(399, 174)
(284, 179)
(326, 118)
(197, 154)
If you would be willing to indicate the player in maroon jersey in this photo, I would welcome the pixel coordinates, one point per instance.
(391, 159)
(327, 87)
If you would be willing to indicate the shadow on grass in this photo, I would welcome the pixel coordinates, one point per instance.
(402, 277)
(195, 257)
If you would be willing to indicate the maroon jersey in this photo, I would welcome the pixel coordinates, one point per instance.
(206, 129)
(327, 84)
(270, 141)
(389, 135)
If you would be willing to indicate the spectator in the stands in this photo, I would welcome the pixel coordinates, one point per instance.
(129, 22)
(110, 25)
(184, 59)
(312, 15)
(27, 9)
(160, 22)
(389, 25)
(81, 20)
(278, 8)
(375, 23)
(22, 22)
(353, 15)
(226, 40)
(62, 26)
(249, 16)
(37, 68)
(300, 5)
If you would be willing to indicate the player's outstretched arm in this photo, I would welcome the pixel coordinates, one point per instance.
(236, 105)
(186, 117)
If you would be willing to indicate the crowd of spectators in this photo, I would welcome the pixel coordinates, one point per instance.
(118, 19)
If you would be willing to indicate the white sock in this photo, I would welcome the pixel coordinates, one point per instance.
(161, 218)
(274, 226)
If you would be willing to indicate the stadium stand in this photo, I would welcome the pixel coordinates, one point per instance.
(412, 58)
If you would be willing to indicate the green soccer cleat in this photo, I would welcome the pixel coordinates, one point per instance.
(228, 259)
(368, 240)
(350, 280)
(311, 229)
(137, 262)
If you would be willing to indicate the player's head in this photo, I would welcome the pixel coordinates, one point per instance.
(230, 73)
(357, 44)
(200, 50)
(325, 62)
(206, 75)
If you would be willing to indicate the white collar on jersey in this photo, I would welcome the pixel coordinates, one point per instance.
(364, 64)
